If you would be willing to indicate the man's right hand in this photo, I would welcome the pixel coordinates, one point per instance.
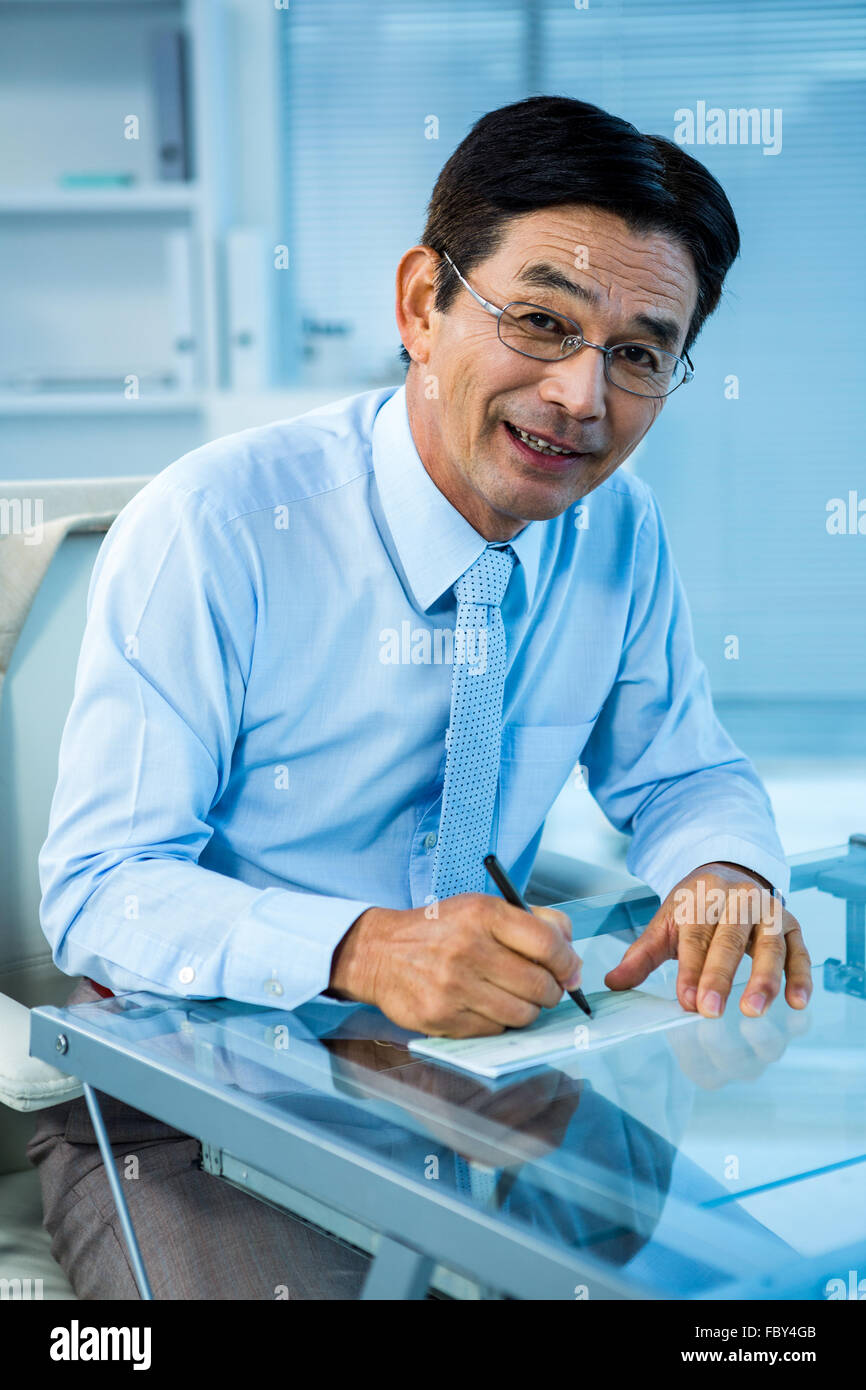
(478, 967)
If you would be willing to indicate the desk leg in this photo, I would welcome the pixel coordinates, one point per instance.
(117, 1193)
(398, 1272)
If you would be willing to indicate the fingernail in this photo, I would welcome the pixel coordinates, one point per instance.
(689, 997)
(800, 997)
(713, 1003)
(574, 979)
(756, 1002)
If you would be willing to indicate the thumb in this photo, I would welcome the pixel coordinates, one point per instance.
(555, 918)
(641, 958)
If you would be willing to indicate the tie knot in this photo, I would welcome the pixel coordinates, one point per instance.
(486, 580)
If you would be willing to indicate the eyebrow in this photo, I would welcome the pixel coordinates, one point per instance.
(542, 276)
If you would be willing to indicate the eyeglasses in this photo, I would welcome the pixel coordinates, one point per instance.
(533, 331)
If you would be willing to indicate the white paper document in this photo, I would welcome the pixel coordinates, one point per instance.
(563, 1031)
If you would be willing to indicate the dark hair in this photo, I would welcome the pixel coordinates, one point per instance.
(549, 150)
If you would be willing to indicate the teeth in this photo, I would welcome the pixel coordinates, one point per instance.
(539, 445)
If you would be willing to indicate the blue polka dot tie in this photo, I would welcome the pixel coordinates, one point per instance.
(475, 730)
(476, 1181)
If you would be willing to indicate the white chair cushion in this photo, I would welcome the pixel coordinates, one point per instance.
(25, 1245)
(26, 1083)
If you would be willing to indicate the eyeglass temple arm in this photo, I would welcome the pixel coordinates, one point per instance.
(485, 303)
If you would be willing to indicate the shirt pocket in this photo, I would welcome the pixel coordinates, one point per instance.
(535, 763)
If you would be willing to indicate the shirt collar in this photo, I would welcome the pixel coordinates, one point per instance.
(435, 543)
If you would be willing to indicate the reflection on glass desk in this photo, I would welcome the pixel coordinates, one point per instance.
(724, 1159)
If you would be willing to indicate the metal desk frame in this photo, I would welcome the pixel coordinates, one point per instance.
(295, 1158)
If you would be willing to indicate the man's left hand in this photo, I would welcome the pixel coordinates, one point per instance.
(708, 921)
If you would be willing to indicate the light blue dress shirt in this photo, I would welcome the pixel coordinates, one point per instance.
(255, 750)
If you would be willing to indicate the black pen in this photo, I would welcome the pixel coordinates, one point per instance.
(511, 895)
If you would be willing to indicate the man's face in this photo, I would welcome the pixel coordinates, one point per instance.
(467, 388)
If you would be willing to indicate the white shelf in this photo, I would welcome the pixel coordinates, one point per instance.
(98, 403)
(233, 87)
(180, 197)
(229, 411)
(84, 4)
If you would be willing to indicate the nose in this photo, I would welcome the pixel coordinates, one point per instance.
(578, 384)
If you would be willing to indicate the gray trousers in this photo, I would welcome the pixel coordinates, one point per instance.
(199, 1237)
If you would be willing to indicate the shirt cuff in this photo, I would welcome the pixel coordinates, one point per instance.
(669, 869)
(295, 936)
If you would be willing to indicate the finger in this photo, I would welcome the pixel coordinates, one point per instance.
(726, 950)
(726, 919)
(798, 970)
(502, 1007)
(511, 971)
(711, 944)
(764, 982)
(556, 918)
(538, 941)
(692, 946)
(651, 950)
(466, 1023)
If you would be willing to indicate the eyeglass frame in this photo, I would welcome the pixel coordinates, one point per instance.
(582, 342)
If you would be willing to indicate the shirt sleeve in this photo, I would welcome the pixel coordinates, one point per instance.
(659, 763)
(146, 752)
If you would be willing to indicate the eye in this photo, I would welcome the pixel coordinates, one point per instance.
(638, 356)
(546, 323)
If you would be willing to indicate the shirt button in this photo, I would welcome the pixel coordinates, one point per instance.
(273, 987)
(186, 975)
(430, 840)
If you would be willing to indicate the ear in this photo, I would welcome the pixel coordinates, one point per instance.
(415, 293)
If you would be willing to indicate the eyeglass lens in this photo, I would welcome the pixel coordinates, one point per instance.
(637, 367)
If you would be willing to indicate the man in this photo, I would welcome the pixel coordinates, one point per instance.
(279, 778)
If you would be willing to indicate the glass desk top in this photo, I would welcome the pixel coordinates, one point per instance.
(723, 1158)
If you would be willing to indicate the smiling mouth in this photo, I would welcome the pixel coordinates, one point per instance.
(540, 446)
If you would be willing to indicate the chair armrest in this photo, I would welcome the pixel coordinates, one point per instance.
(26, 1083)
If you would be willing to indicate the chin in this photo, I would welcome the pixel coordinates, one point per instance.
(546, 513)
(551, 497)
(525, 508)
